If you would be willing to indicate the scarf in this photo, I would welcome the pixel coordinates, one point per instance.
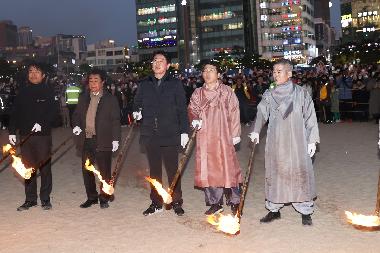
(282, 94)
(91, 113)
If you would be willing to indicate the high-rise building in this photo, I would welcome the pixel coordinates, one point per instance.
(221, 26)
(106, 55)
(71, 43)
(8, 34)
(286, 29)
(322, 10)
(192, 30)
(360, 20)
(25, 36)
(158, 25)
(325, 37)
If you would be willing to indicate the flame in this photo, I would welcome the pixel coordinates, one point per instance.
(107, 188)
(20, 167)
(226, 223)
(164, 194)
(7, 148)
(363, 220)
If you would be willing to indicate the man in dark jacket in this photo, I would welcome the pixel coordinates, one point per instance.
(34, 111)
(97, 124)
(161, 103)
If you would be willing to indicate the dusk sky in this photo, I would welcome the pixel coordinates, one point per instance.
(96, 19)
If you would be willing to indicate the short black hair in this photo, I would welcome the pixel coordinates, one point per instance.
(163, 53)
(96, 71)
(39, 66)
(213, 63)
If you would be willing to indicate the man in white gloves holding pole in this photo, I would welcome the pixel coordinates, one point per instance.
(96, 122)
(34, 111)
(291, 142)
(214, 111)
(160, 103)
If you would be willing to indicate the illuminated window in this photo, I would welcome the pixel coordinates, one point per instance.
(166, 8)
(164, 20)
(217, 16)
(148, 22)
(233, 26)
(145, 11)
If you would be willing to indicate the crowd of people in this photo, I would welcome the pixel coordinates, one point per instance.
(215, 105)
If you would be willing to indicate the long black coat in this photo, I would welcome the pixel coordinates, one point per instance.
(107, 121)
(163, 110)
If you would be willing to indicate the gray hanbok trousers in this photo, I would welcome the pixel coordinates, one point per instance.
(214, 195)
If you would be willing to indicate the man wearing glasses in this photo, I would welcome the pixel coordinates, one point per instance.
(160, 103)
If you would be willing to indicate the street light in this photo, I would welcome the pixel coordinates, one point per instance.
(67, 68)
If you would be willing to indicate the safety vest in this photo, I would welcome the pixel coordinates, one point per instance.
(72, 95)
(323, 93)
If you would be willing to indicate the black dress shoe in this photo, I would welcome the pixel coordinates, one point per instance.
(271, 216)
(26, 205)
(214, 209)
(306, 220)
(104, 204)
(46, 205)
(89, 203)
(178, 210)
(234, 209)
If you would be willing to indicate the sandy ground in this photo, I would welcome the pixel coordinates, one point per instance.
(346, 168)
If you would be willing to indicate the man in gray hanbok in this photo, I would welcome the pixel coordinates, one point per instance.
(291, 142)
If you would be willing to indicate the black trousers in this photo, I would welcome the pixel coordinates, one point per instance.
(169, 155)
(102, 161)
(71, 108)
(35, 152)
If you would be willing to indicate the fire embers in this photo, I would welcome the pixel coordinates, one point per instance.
(106, 188)
(17, 163)
(370, 222)
(167, 199)
(226, 223)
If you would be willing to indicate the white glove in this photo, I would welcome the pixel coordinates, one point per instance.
(137, 115)
(236, 140)
(36, 128)
(12, 139)
(77, 130)
(254, 137)
(311, 149)
(196, 124)
(115, 146)
(184, 140)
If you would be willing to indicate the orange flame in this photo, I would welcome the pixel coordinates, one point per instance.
(7, 148)
(20, 167)
(363, 220)
(226, 223)
(107, 188)
(164, 194)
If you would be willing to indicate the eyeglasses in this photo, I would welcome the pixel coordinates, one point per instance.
(158, 61)
(209, 70)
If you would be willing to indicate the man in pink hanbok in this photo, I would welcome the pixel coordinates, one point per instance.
(214, 112)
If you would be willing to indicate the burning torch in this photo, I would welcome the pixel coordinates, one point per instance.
(8, 149)
(231, 224)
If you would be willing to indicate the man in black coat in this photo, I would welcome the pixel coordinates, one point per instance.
(161, 103)
(97, 124)
(34, 111)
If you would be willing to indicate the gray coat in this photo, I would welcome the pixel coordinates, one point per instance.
(373, 87)
(289, 175)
